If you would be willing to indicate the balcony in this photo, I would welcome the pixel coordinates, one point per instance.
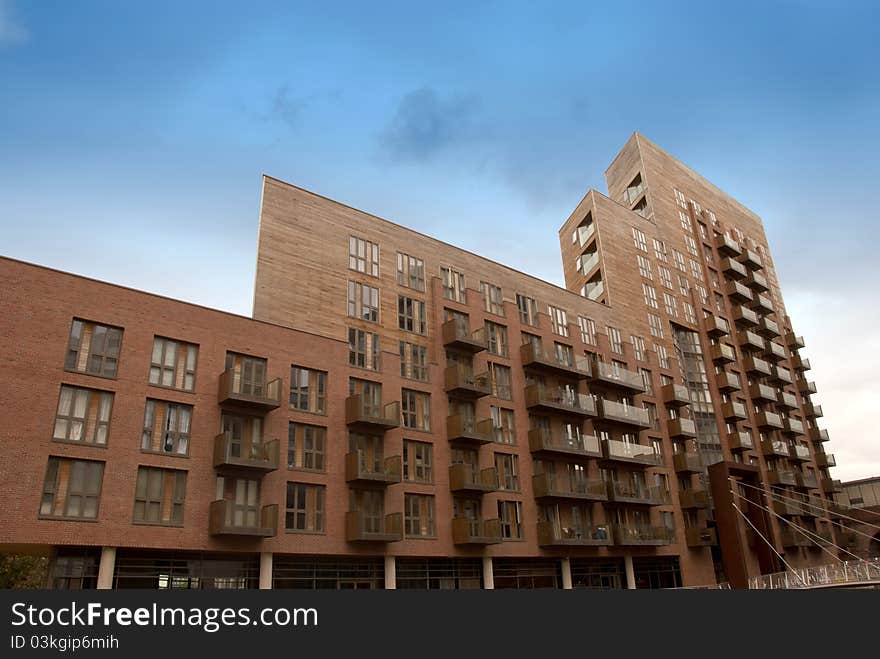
(690, 499)
(463, 383)
(792, 426)
(557, 399)
(740, 440)
(542, 440)
(770, 420)
(675, 395)
(467, 531)
(700, 536)
(783, 375)
(637, 494)
(807, 480)
(469, 431)
(777, 447)
(587, 261)
(793, 341)
(467, 478)
(813, 411)
(734, 269)
(593, 290)
(618, 451)
(360, 527)
(818, 435)
(717, 326)
(687, 462)
(749, 341)
(262, 396)
(787, 508)
(222, 520)
(762, 304)
(536, 359)
(738, 292)
(644, 536)
(825, 460)
(786, 400)
(624, 414)
(259, 458)
(751, 260)
(757, 366)
(832, 485)
(770, 329)
(782, 477)
(775, 352)
(727, 246)
(552, 535)
(734, 411)
(681, 427)
(806, 388)
(458, 336)
(744, 317)
(760, 391)
(800, 363)
(546, 486)
(728, 381)
(722, 353)
(368, 472)
(358, 412)
(616, 376)
(758, 282)
(793, 538)
(799, 452)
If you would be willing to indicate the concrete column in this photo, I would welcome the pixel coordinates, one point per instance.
(266, 570)
(566, 573)
(106, 568)
(630, 572)
(390, 573)
(488, 574)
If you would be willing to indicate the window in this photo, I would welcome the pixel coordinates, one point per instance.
(416, 407)
(93, 348)
(558, 320)
(644, 267)
(306, 447)
(411, 314)
(678, 257)
(684, 286)
(647, 381)
(588, 330)
(564, 353)
(696, 270)
(528, 310)
(638, 347)
(639, 240)
(308, 390)
(493, 301)
(418, 515)
(363, 349)
(665, 276)
(71, 488)
(507, 466)
(83, 415)
(496, 339)
(173, 364)
(655, 325)
(701, 291)
(510, 514)
(166, 428)
(691, 245)
(689, 313)
(248, 374)
(410, 272)
(670, 305)
(417, 459)
(159, 495)
(453, 286)
(413, 361)
(304, 508)
(660, 250)
(662, 356)
(242, 496)
(685, 221)
(363, 256)
(650, 295)
(615, 340)
(363, 301)
(503, 424)
(680, 198)
(500, 377)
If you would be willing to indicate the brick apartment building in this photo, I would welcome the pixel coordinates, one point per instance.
(403, 413)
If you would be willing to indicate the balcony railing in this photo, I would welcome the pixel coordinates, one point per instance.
(812, 410)
(557, 399)
(546, 486)
(458, 334)
(594, 289)
(617, 376)
(626, 535)
(751, 260)
(750, 341)
(800, 452)
(775, 447)
(792, 538)
(466, 531)
(786, 400)
(625, 414)
(793, 341)
(758, 282)
(553, 535)
(760, 391)
(832, 485)
(727, 246)
(681, 427)
(360, 527)
(470, 431)
(461, 381)
(717, 326)
(762, 304)
(769, 328)
(384, 472)
(687, 462)
(734, 411)
(769, 420)
(740, 440)
(690, 499)
(782, 375)
(738, 292)
(787, 508)
(757, 366)
(722, 353)
(675, 395)
(616, 450)
(782, 477)
(793, 426)
(734, 269)
(837, 574)
(261, 457)
(775, 351)
(807, 480)
(224, 519)
(467, 478)
(825, 460)
(806, 388)
(538, 359)
(587, 261)
(621, 492)
(818, 435)
(359, 412)
(542, 440)
(584, 233)
(234, 390)
(700, 536)
(728, 381)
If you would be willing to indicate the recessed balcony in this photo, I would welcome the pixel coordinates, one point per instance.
(467, 478)
(751, 260)
(542, 440)
(559, 400)
(722, 353)
(687, 462)
(640, 495)
(458, 335)
(362, 471)
(642, 536)
(629, 415)
(758, 282)
(691, 499)
(681, 427)
(617, 451)
(361, 527)
(537, 359)
(738, 292)
(547, 486)
(727, 246)
(700, 536)
(554, 535)
(360, 412)
(234, 389)
(769, 420)
(259, 458)
(728, 381)
(761, 392)
(675, 395)
(749, 341)
(225, 518)
(464, 430)
(775, 447)
(734, 411)
(617, 376)
(740, 440)
(716, 326)
(757, 366)
(793, 341)
(462, 382)
(733, 269)
(466, 531)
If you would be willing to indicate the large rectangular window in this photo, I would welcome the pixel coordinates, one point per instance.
(71, 488)
(363, 349)
(528, 310)
(417, 461)
(496, 339)
(308, 390)
(558, 320)
(410, 272)
(159, 496)
(93, 348)
(304, 508)
(419, 516)
(588, 330)
(248, 374)
(453, 286)
(363, 256)
(413, 361)
(503, 424)
(416, 406)
(166, 427)
(363, 301)
(507, 466)
(500, 377)
(83, 415)
(306, 447)
(510, 514)
(173, 364)
(411, 315)
(493, 300)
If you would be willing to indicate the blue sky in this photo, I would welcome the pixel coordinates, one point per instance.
(473, 122)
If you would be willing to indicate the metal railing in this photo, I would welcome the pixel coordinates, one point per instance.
(821, 576)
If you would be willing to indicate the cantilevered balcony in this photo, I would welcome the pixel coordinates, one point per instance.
(759, 391)
(234, 389)
(807, 480)
(542, 440)
(799, 452)
(757, 366)
(224, 518)
(537, 359)
(464, 430)
(770, 329)
(812, 410)
(786, 400)
(681, 427)
(775, 351)
(734, 411)
(555, 535)
(800, 363)
(258, 458)
(740, 440)
(749, 341)
(818, 435)
(360, 412)
(462, 382)
(728, 381)
(782, 375)
(653, 536)
(782, 477)
(687, 462)
(745, 318)
(717, 326)
(762, 304)
(466, 531)
(825, 460)
(738, 292)
(733, 269)
(361, 527)
(751, 260)
(559, 400)
(641, 454)
(793, 538)
(690, 499)
(792, 426)
(769, 420)
(362, 471)
(675, 395)
(806, 388)
(722, 353)
(641, 495)
(547, 486)
(458, 335)
(775, 447)
(787, 507)
(793, 341)
(629, 415)
(727, 246)
(758, 282)
(700, 536)
(617, 376)
(832, 485)
(467, 478)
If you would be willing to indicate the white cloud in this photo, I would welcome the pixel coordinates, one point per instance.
(11, 30)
